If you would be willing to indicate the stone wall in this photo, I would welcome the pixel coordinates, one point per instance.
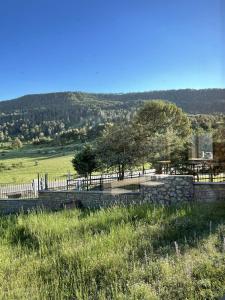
(54, 200)
(154, 189)
(209, 191)
(168, 190)
(12, 206)
(93, 199)
(162, 189)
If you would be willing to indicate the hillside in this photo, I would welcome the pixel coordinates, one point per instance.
(117, 253)
(48, 114)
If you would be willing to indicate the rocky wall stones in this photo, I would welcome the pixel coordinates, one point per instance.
(173, 189)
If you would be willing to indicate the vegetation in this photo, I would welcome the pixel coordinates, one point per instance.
(23, 165)
(85, 162)
(122, 145)
(17, 144)
(163, 129)
(159, 131)
(117, 148)
(55, 115)
(141, 252)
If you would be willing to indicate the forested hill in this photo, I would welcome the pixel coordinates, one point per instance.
(54, 112)
(192, 101)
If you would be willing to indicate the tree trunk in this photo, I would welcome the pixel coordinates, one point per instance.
(122, 172)
(143, 169)
(119, 172)
(86, 177)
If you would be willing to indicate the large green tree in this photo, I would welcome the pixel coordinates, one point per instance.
(160, 130)
(164, 129)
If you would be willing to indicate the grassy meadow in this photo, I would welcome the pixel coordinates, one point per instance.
(23, 165)
(140, 252)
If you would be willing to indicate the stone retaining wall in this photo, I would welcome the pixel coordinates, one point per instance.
(53, 201)
(156, 189)
(12, 206)
(94, 199)
(172, 189)
(160, 189)
(209, 191)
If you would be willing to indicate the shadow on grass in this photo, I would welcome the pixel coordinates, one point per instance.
(22, 236)
(196, 224)
(186, 225)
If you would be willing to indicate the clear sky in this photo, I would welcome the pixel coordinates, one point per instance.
(110, 45)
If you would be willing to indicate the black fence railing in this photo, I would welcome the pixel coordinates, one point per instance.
(202, 172)
(95, 182)
(46, 182)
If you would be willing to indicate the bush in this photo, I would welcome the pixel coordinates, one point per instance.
(16, 144)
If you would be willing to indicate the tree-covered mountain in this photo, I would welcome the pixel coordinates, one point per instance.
(32, 116)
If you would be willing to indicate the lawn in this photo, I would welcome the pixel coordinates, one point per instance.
(143, 252)
(23, 165)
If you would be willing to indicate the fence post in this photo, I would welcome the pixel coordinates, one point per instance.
(86, 178)
(38, 182)
(101, 185)
(46, 181)
(211, 174)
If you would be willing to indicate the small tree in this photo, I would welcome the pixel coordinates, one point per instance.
(17, 144)
(85, 161)
(117, 148)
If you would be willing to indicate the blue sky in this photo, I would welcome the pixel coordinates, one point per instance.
(110, 46)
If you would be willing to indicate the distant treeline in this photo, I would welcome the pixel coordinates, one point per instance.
(50, 115)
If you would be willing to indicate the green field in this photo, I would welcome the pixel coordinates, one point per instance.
(23, 165)
(117, 253)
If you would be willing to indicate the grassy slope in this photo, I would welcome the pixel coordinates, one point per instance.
(118, 253)
(55, 161)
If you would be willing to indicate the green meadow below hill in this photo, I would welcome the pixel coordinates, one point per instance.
(139, 252)
(23, 165)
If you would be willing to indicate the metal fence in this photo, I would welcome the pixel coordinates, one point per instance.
(210, 174)
(60, 183)
(202, 172)
(18, 191)
(95, 182)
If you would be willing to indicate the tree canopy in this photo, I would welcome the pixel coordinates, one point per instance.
(85, 162)
(159, 131)
(32, 116)
(164, 127)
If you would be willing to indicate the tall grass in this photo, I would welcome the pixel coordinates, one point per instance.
(139, 252)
